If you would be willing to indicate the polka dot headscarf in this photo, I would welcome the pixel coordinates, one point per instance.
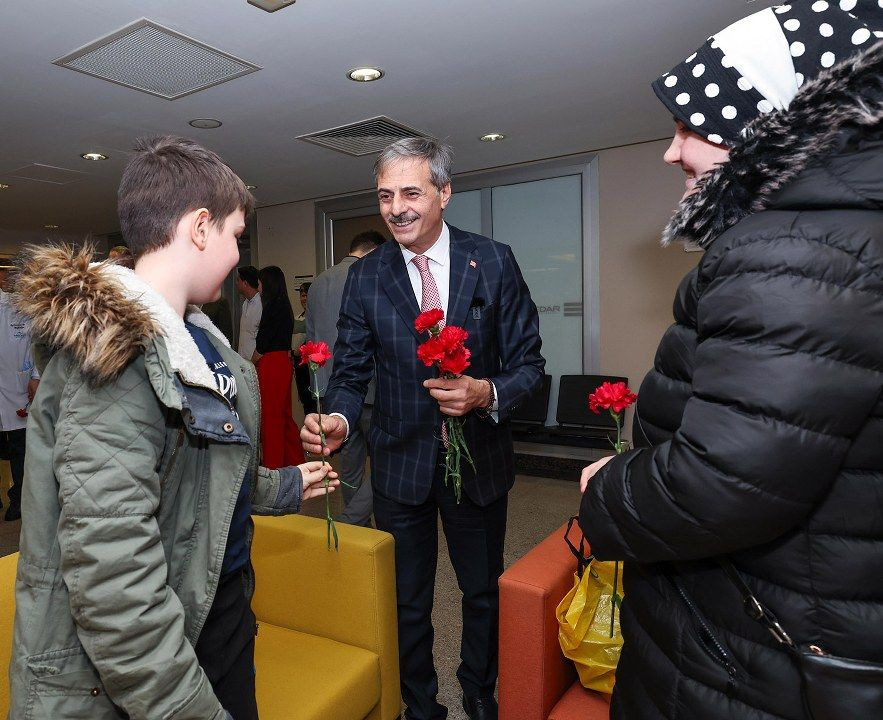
(758, 64)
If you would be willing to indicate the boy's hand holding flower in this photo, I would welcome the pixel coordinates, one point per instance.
(314, 474)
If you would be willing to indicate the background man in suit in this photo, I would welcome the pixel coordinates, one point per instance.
(323, 311)
(479, 285)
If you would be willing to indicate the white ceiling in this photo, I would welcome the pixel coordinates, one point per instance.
(556, 76)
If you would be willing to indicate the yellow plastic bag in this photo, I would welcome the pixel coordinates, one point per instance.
(588, 624)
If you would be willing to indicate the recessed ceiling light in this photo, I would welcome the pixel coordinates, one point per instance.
(51, 227)
(3, 186)
(251, 187)
(205, 123)
(93, 156)
(271, 5)
(365, 74)
(492, 137)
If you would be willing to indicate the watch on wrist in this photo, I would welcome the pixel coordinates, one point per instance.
(490, 400)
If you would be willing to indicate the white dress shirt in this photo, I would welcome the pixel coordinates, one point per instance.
(439, 266)
(248, 325)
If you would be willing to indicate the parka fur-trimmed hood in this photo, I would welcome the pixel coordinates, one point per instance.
(104, 315)
(779, 146)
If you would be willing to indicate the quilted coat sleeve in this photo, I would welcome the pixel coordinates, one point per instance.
(129, 621)
(789, 365)
(278, 492)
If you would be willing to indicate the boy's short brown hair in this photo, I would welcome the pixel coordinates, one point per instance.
(168, 178)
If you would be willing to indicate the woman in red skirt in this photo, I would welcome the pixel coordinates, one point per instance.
(280, 434)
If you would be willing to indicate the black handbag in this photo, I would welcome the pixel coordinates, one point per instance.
(833, 688)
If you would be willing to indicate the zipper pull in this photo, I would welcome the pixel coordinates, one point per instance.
(731, 686)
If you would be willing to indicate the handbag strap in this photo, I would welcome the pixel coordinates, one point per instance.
(582, 560)
(754, 608)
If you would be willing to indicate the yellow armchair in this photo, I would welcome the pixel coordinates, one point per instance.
(8, 565)
(327, 647)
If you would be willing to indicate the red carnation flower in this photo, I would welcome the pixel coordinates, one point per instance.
(615, 397)
(427, 320)
(314, 353)
(455, 362)
(453, 337)
(431, 352)
(22, 412)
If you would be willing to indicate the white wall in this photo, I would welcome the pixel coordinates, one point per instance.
(638, 194)
(287, 238)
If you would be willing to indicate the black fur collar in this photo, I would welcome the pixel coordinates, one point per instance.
(778, 146)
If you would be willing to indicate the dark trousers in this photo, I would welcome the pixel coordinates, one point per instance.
(302, 381)
(225, 648)
(14, 441)
(355, 482)
(475, 537)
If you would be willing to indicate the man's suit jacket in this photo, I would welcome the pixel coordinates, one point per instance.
(323, 309)
(489, 298)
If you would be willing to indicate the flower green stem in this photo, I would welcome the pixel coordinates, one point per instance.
(613, 597)
(456, 451)
(617, 417)
(330, 529)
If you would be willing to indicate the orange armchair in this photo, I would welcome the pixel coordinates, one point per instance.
(536, 681)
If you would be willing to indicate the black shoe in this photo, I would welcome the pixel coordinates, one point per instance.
(480, 708)
(12, 514)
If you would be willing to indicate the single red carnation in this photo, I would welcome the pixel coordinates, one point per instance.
(453, 337)
(314, 353)
(456, 361)
(431, 352)
(611, 396)
(428, 320)
(22, 412)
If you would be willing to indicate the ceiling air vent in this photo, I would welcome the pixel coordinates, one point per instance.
(46, 174)
(364, 137)
(153, 59)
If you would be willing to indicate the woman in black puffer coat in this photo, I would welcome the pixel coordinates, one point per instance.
(763, 415)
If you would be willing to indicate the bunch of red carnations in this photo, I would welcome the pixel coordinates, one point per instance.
(446, 349)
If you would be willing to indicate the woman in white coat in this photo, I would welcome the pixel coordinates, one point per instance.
(18, 384)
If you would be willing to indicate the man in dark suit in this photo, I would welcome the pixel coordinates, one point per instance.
(478, 284)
